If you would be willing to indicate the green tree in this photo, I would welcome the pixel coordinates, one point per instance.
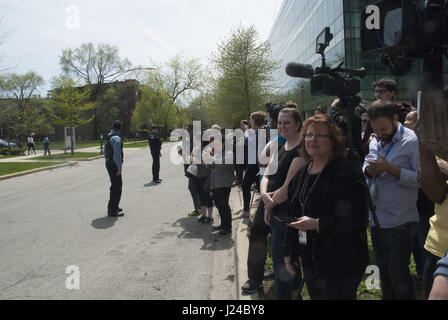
(71, 106)
(23, 106)
(96, 66)
(244, 70)
(180, 78)
(154, 108)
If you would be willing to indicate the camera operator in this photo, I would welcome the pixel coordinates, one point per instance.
(337, 114)
(385, 89)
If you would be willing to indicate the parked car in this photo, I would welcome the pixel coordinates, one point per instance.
(4, 144)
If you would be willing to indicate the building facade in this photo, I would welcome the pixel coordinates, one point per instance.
(293, 39)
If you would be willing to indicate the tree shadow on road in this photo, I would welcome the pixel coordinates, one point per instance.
(194, 230)
(104, 222)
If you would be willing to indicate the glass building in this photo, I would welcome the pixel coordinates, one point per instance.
(293, 39)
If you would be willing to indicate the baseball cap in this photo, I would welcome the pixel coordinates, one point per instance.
(117, 125)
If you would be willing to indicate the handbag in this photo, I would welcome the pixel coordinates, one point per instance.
(192, 171)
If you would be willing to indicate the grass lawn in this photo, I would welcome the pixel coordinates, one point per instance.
(59, 145)
(63, 156)
(14, 167)
(9, 157)
(136, 145)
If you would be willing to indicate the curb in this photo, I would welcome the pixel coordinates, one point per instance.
(24, 173)
(91, 159)
(241, 255)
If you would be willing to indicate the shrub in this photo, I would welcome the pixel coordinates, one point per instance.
(12, 151)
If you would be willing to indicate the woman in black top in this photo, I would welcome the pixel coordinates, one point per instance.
(274, 189)
(328, 196)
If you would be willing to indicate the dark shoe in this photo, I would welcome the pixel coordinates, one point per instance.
(269, 275)
(157, 181)
(202, 218)
(225, 232)
(251, 287)
(120, 209)
(115, 214)
(215, 228)
(208, 220)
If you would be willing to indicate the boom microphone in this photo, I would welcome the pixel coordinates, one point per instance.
(298, 70)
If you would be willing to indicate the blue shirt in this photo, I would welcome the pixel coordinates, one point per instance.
(115, 142)
(395, 200)
(442, 267)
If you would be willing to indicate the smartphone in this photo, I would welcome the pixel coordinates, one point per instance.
(285, 219)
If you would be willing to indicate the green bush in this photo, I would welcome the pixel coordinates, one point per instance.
(12, 151)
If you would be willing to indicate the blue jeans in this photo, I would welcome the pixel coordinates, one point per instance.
(194, 193)
(284, 281)
(399, 242)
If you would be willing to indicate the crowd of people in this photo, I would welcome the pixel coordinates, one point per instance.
(318, 201)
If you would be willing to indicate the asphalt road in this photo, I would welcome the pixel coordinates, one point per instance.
(55, 219)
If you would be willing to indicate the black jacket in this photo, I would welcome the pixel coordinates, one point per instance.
(155, 144)
(339, 201)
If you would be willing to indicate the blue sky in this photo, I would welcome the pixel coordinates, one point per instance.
(37, 31)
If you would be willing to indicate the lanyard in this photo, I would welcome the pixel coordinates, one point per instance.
(379, 150)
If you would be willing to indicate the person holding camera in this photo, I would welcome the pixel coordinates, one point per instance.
(328, 199)
(337, 114)
(385, 89)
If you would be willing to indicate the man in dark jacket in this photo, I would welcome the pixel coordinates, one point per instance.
(113, 154)
(155, 144)
(337, 114)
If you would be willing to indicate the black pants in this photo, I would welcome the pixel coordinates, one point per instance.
(204, 196)
(31, 146)
(250, 176)
(428, 274)
(332, 287)
(239, 168)
(221, 200)
(155, 165)
(115, 188)
(258, 246)
(47, 149)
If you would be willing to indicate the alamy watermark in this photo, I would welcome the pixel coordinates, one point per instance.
(73, 21)
(229, 149)
(73, 280)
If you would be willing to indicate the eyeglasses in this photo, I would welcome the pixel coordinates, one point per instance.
(317, 136)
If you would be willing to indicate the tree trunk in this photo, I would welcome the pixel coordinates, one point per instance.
(72, 145)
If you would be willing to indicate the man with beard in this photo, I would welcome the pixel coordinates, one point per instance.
(392, 171)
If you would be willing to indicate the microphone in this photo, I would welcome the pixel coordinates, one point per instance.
(298, 70)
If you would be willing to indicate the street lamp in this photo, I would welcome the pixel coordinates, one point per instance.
(103, 88)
